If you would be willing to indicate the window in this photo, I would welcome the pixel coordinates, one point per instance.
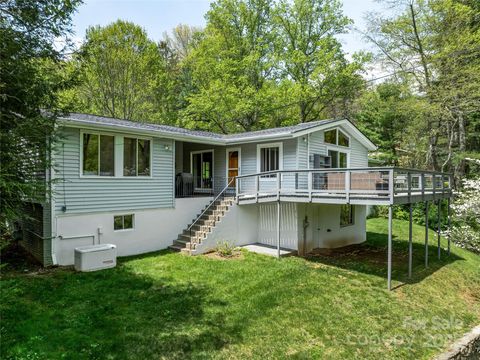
(269, 158)
(338, 159)
(343, 139)
(136, 157)
(98, 155)
(123, 222)
(336, 137)
(331, 136)
(346, 215)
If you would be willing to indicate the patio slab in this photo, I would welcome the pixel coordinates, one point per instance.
(268, 250)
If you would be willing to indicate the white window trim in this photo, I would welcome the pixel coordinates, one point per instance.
(340, 149)
(151, 157)
(227, 150)
(280, 157)
(213, 165)
(336, 138)
(117, 174)
(122, 230)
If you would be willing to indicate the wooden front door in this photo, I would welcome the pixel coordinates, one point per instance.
(233, 165)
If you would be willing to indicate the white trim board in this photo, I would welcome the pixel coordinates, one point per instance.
(270, 145)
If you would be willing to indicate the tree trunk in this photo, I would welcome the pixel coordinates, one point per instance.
(460, 168)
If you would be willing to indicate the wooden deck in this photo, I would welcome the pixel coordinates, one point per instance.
(360, 186)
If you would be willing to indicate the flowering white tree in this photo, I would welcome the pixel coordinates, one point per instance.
(465, 231)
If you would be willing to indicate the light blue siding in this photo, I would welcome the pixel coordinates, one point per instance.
(249, 164)
(317, 146)
(358, 154)
(90, 194)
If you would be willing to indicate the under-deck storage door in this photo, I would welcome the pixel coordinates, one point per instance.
(267, 232)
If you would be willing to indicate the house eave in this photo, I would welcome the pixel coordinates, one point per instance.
(75, 123)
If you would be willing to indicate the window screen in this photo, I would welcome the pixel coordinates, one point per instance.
(269, 159)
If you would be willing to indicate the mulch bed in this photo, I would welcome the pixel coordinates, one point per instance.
(237, 255)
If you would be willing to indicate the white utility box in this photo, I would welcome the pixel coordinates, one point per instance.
(95, 257)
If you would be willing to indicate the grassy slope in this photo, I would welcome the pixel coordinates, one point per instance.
(172, 306)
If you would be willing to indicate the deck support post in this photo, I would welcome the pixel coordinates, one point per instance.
(278, 229)
(426, 234)
(389, 248)
(410, 245)
(448, 230)
(439, 228)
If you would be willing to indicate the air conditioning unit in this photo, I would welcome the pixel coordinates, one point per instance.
(95, 257)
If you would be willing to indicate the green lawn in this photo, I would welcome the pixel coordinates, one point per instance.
(166, 305)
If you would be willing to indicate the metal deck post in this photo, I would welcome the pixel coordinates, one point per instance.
(426, 234)
(439, 228)
(448, 217)
(410, 245)
(278, 229)
(389, 251)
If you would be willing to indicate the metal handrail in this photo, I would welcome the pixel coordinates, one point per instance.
(384, 168)
(208, 207)
(392, 181)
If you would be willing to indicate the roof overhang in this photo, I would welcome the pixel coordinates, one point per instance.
(77, 123)
(345, 123)
(254, 138)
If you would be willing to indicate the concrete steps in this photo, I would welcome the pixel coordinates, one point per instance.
(191, 238)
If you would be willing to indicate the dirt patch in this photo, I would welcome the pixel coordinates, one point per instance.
(357, 252)
(15, 258)
(237, 255)
(16, 261)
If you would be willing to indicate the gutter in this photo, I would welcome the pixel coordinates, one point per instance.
(123, 129)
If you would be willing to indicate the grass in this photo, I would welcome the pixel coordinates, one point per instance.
(166, 305)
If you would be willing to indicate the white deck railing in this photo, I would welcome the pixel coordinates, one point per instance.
(384, 184)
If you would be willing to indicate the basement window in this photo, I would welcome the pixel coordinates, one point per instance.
(347, 215)
(123, 222)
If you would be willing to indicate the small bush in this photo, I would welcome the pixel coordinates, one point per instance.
(225, 248)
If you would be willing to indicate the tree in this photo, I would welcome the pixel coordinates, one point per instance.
(434, 46)
(384, 113)
(175, 81)
(232, 68)
(119, 70)
(310, 58)
(30, 33)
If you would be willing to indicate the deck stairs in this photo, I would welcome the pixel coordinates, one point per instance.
(190, 241)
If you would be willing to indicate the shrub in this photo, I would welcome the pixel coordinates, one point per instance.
(225, 248)
(465, 231)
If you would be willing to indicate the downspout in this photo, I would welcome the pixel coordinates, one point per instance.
(53, 219)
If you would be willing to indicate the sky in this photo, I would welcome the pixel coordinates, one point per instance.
(159, 16)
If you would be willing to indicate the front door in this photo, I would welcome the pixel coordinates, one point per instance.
(233, 165)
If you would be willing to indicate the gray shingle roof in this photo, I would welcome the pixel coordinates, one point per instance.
(107, 121)
(277, 131)
(102, 120)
